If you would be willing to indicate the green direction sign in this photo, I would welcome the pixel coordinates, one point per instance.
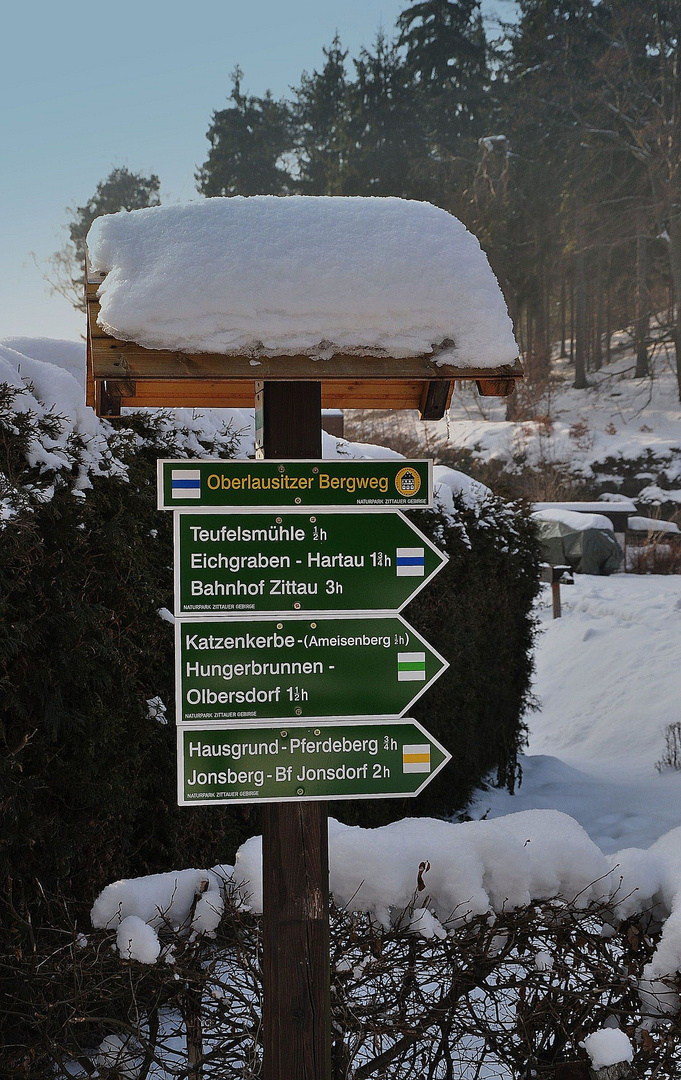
(231, 670)
(278, 484)
(266, 562)
(367, 759)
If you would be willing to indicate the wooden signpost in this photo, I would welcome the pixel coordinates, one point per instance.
(288, 478)
(295, 838)
(293, 670)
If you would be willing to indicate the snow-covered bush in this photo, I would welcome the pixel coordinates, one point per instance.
(86, 769)
(525, 976)
(87, 766)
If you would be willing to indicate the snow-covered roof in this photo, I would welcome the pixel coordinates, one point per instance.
(301, 274)
(621, 505)
(576, 522)
(652, 525)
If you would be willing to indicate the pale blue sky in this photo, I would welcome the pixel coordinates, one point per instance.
(88, 86)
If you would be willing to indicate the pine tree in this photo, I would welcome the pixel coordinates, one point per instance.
(249, 142)
(321, 112)
(446, 57)
(121, 190)
(386, 140)
(544, 228)
(638, 87)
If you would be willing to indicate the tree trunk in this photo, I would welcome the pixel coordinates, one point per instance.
(608, 312)
(598, 335)
(530, 340)
(580, 382)
(589, 326)
(572, 315)
(675, 265)
(563, 317)
(540, 352)
(642, 324)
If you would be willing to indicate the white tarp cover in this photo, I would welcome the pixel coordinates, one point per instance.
(272, 276)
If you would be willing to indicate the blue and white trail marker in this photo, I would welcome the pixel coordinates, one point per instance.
(185, 483)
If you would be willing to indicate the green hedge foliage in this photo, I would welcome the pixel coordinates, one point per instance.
(87, 771)
(477, 612)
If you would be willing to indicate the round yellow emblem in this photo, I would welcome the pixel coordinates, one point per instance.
(407, 482)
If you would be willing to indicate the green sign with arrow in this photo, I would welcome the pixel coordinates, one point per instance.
(294, 667)
(267, 562)
(367, 759)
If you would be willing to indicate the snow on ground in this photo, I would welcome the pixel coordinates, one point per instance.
(608, 685)
(279, 276)
(69, 355)
(616, 417)
(593, 433)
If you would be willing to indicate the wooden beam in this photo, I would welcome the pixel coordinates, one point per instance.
(435, 397)
(238, 393)
(496, 387)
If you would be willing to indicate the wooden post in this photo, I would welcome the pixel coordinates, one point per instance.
(555, 594)
(296, 979)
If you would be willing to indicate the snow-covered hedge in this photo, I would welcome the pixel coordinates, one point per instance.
(85, 569)
(501, 948)
(87, 752)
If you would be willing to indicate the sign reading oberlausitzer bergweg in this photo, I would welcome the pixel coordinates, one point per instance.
(279, 484)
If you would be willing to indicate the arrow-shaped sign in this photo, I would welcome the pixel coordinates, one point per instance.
(294, 667)
(363, 759)
(268, 562)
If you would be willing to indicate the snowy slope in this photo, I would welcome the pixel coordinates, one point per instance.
(617, 426)
(608, 684)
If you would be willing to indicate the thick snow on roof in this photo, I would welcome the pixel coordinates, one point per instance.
(301, 274)
(577, 522)
(652, 525)
(619, 505)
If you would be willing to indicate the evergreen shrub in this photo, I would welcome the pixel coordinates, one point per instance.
(477, 612)
(88, 771)
(86, 766)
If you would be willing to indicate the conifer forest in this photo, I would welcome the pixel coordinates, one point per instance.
(555, 138)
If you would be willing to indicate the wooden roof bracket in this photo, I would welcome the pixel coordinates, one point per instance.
(111, 391)
(495, 387)
(435, 398)
(124, 374)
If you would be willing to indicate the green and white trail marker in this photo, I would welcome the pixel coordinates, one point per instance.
(294, 667)
(270, 762)
(280, 484)
(232, 564)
